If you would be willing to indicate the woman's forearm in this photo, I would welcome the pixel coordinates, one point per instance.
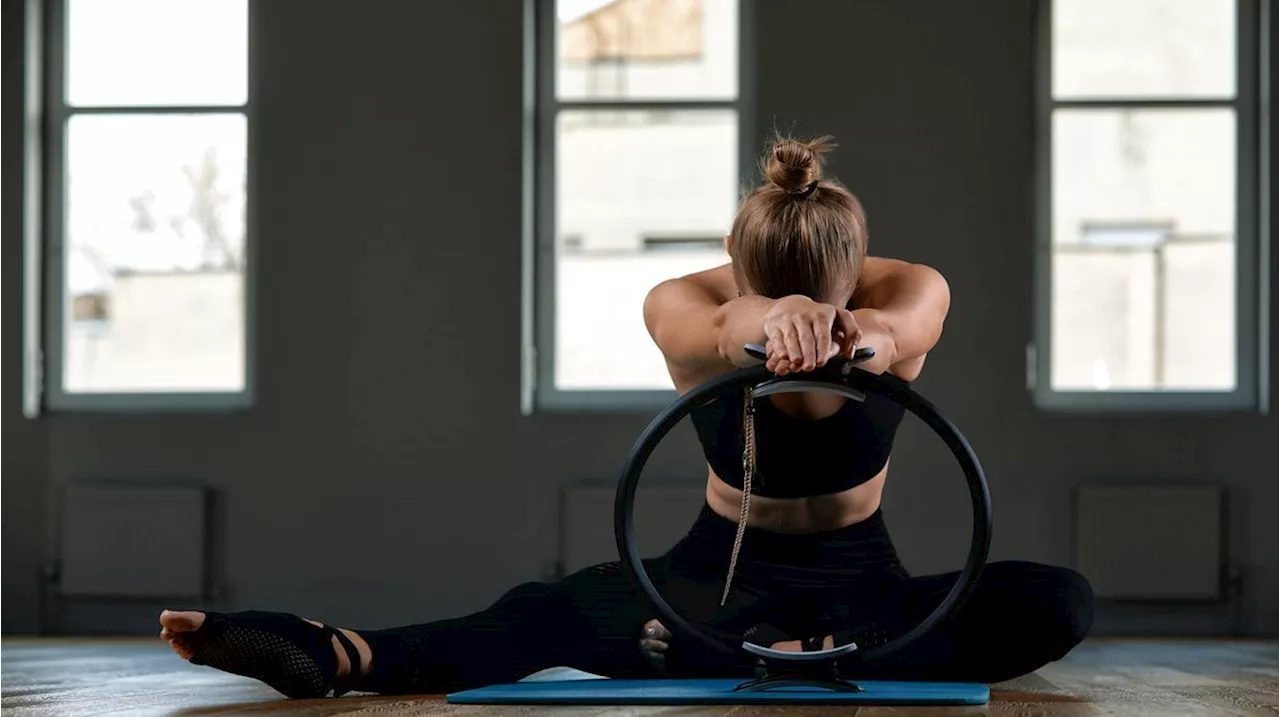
(877, 333)
(907, 306)
(739, 322)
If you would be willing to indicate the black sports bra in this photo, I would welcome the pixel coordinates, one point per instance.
(797, 457)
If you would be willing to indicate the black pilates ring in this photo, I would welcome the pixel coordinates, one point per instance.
(837, 374)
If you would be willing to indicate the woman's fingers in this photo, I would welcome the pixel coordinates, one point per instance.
(808, 344)
(774, 347)
(822, 338)
(791, 339)
(779, 360)
(837, 340)
(846, 325)
(805, 340)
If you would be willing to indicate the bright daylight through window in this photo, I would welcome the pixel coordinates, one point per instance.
(146, 180)
(641, 147)
(1148, 219)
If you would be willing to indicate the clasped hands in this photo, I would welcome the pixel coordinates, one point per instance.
(803, 335)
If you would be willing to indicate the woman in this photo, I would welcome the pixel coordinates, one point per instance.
(790, 550)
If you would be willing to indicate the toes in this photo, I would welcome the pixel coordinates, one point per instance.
(174, 628)
(656, 631)
(184, 621)
(171, 636)
(655, 640)
(653, 646)
(178, 642)
(655, 653)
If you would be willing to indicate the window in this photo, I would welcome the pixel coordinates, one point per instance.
(635, 179)
(668, 242)
(1148, 275)
(144, 159)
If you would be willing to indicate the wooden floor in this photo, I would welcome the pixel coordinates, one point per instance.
(1152, 678)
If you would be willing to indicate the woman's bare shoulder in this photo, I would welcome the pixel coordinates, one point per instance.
(875, 268)
(717, 280)
(881, 277)
(714, 285)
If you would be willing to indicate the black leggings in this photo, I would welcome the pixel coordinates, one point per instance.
(847, 583)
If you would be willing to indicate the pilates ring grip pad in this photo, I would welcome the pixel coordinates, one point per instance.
(838, 376)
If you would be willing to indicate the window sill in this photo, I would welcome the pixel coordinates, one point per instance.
(1148, 402)
(139, 403)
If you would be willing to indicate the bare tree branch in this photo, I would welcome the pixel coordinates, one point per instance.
(205, 208)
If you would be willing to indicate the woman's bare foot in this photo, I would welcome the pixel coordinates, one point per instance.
(182, 630)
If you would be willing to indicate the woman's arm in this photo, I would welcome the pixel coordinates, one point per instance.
(902, 309)
(695, 324)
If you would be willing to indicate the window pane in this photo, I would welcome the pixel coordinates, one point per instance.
(641, 197)
(655, 49)
(157, 52)
(1144, 48)
(154, 292)
(1144, 250)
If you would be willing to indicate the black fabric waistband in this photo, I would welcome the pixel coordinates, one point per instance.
(825, 558)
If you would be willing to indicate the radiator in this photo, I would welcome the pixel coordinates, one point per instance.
(1152, 543)
(133, 541)
(663, 516)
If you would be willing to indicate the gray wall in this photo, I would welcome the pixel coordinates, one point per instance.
(25, 466)
(385, 474)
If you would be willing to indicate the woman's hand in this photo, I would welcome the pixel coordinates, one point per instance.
(803, 334)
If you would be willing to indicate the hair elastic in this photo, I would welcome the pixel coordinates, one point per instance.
(809, 189)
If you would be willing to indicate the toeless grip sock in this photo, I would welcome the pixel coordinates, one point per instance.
(293, 656)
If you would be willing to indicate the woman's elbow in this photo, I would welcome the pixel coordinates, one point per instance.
(931, 303)
(934, 286)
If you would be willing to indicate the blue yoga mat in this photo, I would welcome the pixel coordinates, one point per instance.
(716, 692)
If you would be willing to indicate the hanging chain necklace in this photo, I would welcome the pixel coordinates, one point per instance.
(748, 471)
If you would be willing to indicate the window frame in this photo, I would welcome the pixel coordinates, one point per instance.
(542, 108)
(1252, 279)
(32, 208)
(46, 235)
